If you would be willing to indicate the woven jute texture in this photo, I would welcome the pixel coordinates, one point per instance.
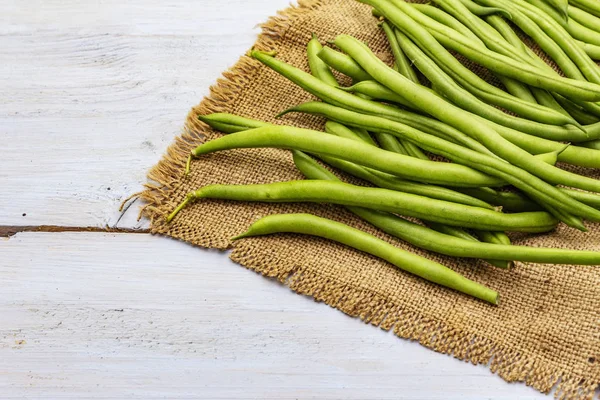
(546, 330)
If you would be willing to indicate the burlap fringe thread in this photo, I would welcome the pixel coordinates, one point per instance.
(369, 307)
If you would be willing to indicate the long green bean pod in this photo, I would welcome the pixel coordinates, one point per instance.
(446, 19)
(286, 137)
(401, 15)
(535, 145)
(317, 226)
(482, 132)
(401, 62)
(467, 101)
(429, 239)
(590, 6)
(482, 11)
(584, 18)
(317, 67)
(387, 181)
(493, 95)
(512, 174)
(462, 234)
(377, 91)
(378, 199)
(344, 64)
(590, 49)
(509, 201)
(347, 100)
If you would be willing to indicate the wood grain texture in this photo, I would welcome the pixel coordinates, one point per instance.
(93, 93)
(92, 315)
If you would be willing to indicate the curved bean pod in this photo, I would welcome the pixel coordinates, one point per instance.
(316, 226)
(344, 64)
(491, 165)
(583, 33)
(462, 234)
(401, 15)
(469, 102)
(387, 181)
(347, 100)
(378, 199)
(429, 239)
(482, 11)
(315, 142)
(590, 6)
(447, 19)
(402, 63)
(317, 67)
(466, 122)
(535, 145)
(584, 18)
(376, 90)
(591, 50)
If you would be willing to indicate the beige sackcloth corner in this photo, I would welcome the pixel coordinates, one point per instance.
(546, 330)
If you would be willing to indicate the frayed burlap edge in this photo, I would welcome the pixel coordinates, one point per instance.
(513, 366)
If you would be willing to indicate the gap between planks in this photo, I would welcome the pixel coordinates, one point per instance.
(11, 230)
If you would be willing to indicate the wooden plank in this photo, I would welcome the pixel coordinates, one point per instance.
(93, 93)
(97, 316)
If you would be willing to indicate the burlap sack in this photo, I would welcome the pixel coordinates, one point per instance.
(546, 330)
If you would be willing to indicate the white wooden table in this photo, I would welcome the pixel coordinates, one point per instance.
(92, 92)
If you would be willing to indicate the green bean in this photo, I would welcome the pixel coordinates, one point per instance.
(509, 201)
(592, 144)
(465, 121)
(347, 100)
(590, 6)
(576, 111)
(469, 102)
(505, 30)
(583, 33)
(359, 240)
(591, 199)
(492, 39)
(378, 199)
(496, 238)
(561, 37)
(572, 155)
(402, 63)
(317, 67)
(591, 50)
(387, 181)
(488, 92)
(315, 142)
(344, 64)
(462, 234)
(375, 90)
(493, 237)
(491, 165)
(584, 18)
(482, 11)
(340, 130)
(551, 11)
(547, 99)
(400, 14)
(429, 239)
(446, 19)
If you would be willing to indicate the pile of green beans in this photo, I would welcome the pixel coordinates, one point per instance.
(385, 129)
